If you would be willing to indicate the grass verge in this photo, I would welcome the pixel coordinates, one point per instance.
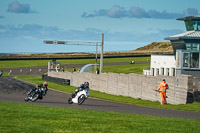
(33, 118)
(186, 107)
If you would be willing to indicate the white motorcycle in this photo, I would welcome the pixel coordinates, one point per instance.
(78, 97)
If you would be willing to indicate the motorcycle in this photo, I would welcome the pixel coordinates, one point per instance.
(78, 97)
(35, 94)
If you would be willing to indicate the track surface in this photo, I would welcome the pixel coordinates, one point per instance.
(13, 90)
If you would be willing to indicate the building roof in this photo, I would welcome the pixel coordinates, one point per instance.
(195, 17)
(186, 35)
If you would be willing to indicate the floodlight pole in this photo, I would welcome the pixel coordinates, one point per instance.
(101, 60)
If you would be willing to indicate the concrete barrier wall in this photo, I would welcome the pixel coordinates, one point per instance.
(194, 89)
(131, 85)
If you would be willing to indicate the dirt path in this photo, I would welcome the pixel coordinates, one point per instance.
(13, 90)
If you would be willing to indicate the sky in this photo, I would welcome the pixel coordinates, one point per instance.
(126, 24)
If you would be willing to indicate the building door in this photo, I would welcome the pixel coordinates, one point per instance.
(186, 60)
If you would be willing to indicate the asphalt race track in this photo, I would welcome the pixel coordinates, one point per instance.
(13, 90)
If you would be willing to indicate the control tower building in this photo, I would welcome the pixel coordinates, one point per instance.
(186, 47)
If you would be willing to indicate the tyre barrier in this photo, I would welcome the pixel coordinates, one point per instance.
(56, 80)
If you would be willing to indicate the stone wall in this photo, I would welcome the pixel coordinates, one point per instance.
(134, 85)
(194, 89)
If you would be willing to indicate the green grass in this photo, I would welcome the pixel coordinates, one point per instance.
(29, 118)
(69, 89)
(131, 68)
(5, 74)
(30, 63)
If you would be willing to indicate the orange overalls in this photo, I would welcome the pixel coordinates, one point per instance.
(162, 88)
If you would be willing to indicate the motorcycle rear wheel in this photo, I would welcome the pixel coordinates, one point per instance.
(70, 101)
(26, 99)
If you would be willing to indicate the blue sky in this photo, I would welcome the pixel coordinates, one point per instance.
(126, 24)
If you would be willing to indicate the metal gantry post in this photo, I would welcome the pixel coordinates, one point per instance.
(101, 61)
(96, 52)
(83, 43)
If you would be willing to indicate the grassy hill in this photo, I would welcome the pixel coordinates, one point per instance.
(153, 48)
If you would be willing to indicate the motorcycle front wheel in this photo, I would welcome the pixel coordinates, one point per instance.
(81, 99)
(35, 97)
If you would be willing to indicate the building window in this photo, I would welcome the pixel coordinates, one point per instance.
(189, 25)
(188, 46)
(198, 26)
(193, 46)
(192, 25)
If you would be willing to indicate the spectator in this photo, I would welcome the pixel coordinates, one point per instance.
(62, 69)
(97, 71)
(58, 67)
(9, 72)
(74, 69)
(51, 66)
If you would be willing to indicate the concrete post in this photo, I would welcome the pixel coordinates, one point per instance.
(161, 71)
(166, 71)
(171, 71)
(156, 71)
(152, 72)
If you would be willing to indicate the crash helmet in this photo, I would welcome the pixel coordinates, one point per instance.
(45, 84)
(86, 85)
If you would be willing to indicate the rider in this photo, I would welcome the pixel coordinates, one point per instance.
(84, 86)
(44, 88)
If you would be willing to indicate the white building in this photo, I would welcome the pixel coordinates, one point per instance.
(163, 65)
(186, 57)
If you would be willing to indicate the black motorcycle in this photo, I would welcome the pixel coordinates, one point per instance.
(35, 94)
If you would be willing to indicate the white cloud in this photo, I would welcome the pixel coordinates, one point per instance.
(137, 12)
(16, 7)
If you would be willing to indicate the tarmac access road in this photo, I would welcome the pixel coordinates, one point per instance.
(13, 90)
